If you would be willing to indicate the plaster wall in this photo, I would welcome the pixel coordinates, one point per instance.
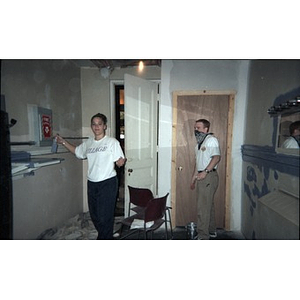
(270, 81)
(54, 193)
(214, 75)
(270, 199)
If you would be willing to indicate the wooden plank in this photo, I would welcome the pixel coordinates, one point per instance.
(173, 165)
(228, 163)
(203, 92)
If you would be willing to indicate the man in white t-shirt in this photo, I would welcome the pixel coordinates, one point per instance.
(206, 176)
(294, 140)
(103, 153)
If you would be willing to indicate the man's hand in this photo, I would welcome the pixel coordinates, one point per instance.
(199, 176)
(192, 186)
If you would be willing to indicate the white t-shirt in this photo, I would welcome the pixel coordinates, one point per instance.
(101, 156)
(209, 148)
(290, 143)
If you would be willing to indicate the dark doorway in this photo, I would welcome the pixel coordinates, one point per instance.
(120, 136)
(6, 205)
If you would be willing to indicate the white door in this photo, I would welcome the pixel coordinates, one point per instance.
(140, 134)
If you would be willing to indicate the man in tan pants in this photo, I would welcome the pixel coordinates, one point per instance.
(205, 174)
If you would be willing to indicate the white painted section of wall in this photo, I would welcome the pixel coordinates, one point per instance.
(165, 132)
(199, 75)
(238, 138)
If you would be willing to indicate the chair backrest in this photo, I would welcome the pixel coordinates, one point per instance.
(139, 196)
(156, 209)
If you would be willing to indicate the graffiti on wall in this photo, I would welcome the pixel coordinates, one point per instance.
(256, 185)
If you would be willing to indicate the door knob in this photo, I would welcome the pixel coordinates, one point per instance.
(180, 168)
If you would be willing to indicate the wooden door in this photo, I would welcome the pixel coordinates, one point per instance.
(189, 108)
(141, 134)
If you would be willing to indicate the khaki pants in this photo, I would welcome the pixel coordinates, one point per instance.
(205, 205)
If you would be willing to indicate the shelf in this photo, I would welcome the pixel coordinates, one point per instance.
(35, 150)
(24, 168)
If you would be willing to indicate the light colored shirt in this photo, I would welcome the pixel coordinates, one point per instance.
(101, 156)
(209, 148)
(290, 143)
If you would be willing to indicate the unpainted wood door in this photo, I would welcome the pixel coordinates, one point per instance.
(214, 108)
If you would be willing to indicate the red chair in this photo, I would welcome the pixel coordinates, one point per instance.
(139, 197)
(152, 218)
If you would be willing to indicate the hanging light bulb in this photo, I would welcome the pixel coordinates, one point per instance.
(141, 65)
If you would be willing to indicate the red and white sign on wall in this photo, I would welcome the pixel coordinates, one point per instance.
(40, 125)
(46, 126)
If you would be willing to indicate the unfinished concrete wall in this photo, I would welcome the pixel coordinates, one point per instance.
(50, 195)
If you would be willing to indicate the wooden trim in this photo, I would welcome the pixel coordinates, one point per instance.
(173, 165)
(228, 161)
(203, 92)
(231, 94)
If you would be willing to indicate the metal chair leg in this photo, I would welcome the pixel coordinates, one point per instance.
(170, 221)
(166, 226)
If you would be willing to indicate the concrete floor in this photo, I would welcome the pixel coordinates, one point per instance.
(81, 227)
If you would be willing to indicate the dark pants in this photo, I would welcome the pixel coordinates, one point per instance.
(102, 200)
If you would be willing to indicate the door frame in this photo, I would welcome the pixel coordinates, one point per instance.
(112, 85)
(231, 94)
(112, 95)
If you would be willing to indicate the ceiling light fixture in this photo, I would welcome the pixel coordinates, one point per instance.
(141, 66)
